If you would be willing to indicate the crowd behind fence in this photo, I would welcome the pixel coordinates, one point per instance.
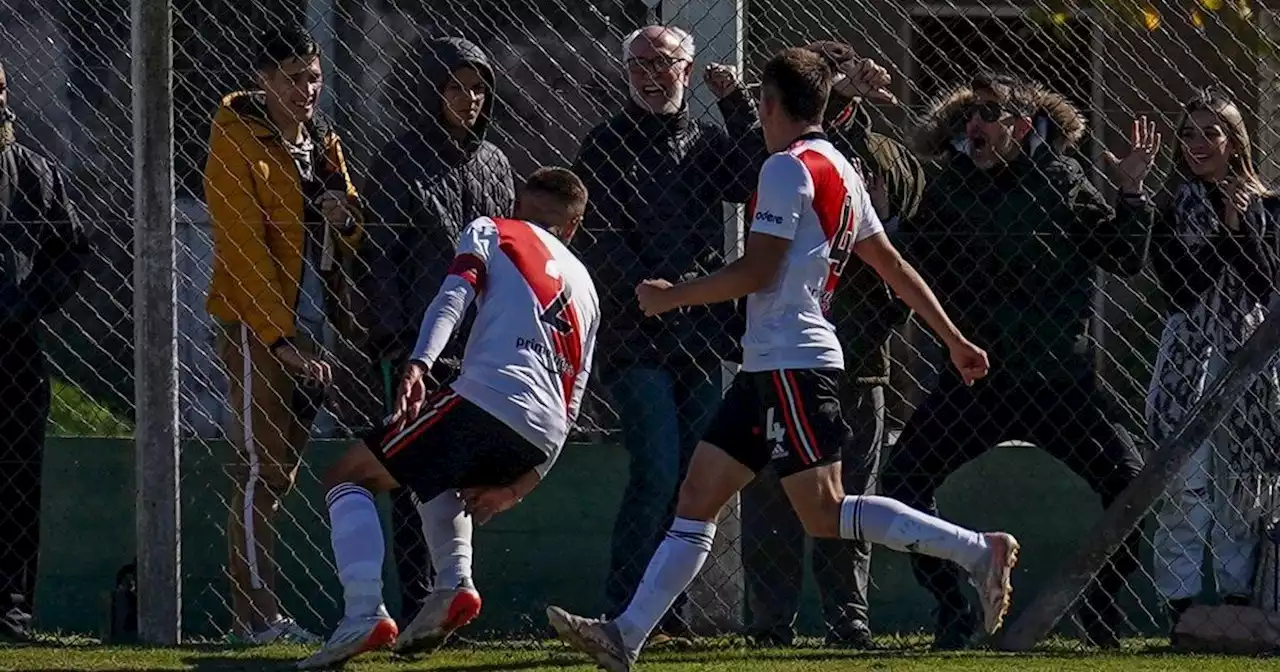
(556, 71)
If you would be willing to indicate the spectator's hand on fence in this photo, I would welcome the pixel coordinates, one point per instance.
(483, 503)
(312, 370)
(865, 79)
(721, 79)
(970, 361)
(1144, 145)
(413, 391)
(652, 295)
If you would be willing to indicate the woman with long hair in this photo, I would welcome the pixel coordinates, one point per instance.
(1216, 259)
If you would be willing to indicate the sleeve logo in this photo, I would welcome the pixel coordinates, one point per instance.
(768, 217)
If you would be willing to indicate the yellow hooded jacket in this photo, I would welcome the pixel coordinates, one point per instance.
(256, 210)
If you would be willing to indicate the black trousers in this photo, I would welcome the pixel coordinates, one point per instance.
(24, 411)
(773, 537)
(1071, 420)
(413, 559)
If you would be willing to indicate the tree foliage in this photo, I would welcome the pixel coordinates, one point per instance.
(1240, 18)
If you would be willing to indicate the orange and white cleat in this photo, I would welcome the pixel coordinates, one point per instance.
(353, 637)
(442, 613)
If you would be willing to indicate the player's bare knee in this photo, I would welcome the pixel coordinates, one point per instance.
(817, 495)
(821, 519)
(696, 501)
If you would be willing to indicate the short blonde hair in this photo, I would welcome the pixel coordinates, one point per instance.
(684, 40)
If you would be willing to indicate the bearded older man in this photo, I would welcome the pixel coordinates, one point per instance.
(657, 175)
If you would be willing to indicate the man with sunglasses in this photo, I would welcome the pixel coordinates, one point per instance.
(658, 176)
(865, 312)
(1012, 230)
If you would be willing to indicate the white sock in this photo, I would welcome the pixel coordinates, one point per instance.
(675, 563)
(891, 523)
(358, 548)
(448, 533)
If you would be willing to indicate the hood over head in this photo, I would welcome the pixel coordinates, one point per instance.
(1057, 122)
(440, 58)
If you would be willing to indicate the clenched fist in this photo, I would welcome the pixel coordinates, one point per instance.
(652, 296)
(721, 79)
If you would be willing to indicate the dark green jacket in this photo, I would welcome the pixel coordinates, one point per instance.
(1011, 252)
(864, 310)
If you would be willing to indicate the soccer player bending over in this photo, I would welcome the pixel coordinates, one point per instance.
(811, 211)
(478, 446)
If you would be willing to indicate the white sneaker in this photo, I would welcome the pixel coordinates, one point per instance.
(442, 613)
(353, 637)
(283, 630)
(597, 638)
(991, 578)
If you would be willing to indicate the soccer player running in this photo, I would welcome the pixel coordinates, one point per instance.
(810, 213)
(489, 437)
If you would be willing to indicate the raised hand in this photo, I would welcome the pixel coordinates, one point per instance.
(865, 78)
(1144, 145)
(1238, 195)
(721, 79)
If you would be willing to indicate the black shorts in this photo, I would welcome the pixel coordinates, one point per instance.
(452, 444)
(789, 418)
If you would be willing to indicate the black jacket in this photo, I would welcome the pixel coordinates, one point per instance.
(423, 188)
(42, 243)
(656, 185)
(864, 309)
(1011, 252)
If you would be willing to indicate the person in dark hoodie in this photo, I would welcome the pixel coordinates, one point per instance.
(1010, 232)
(658, 178)
(43, 261)
(423, 188)
(864, 312)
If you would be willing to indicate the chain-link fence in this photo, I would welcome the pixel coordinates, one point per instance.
(1106, 315)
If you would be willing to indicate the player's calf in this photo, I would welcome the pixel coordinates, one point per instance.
(818, 498)
(358, 549)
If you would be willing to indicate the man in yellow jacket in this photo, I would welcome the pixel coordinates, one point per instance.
(285, 216)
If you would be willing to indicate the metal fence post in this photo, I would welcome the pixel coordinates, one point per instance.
(155, 325)
(719, 37)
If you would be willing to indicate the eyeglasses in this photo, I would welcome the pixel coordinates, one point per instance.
(656, 64)
(989, 111)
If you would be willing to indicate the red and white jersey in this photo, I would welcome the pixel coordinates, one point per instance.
(530, 350)
(811, 195)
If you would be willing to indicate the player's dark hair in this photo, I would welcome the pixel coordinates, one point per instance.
(800, 80)
(277, 45)
(560, 184)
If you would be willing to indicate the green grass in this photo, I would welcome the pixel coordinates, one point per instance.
(554, 656)
(74, 413)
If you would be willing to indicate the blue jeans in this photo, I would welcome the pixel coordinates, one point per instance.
(663, 412)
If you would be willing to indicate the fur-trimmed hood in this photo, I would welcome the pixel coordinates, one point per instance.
(1057, 122)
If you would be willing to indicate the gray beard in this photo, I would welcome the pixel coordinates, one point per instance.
(670, 107)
